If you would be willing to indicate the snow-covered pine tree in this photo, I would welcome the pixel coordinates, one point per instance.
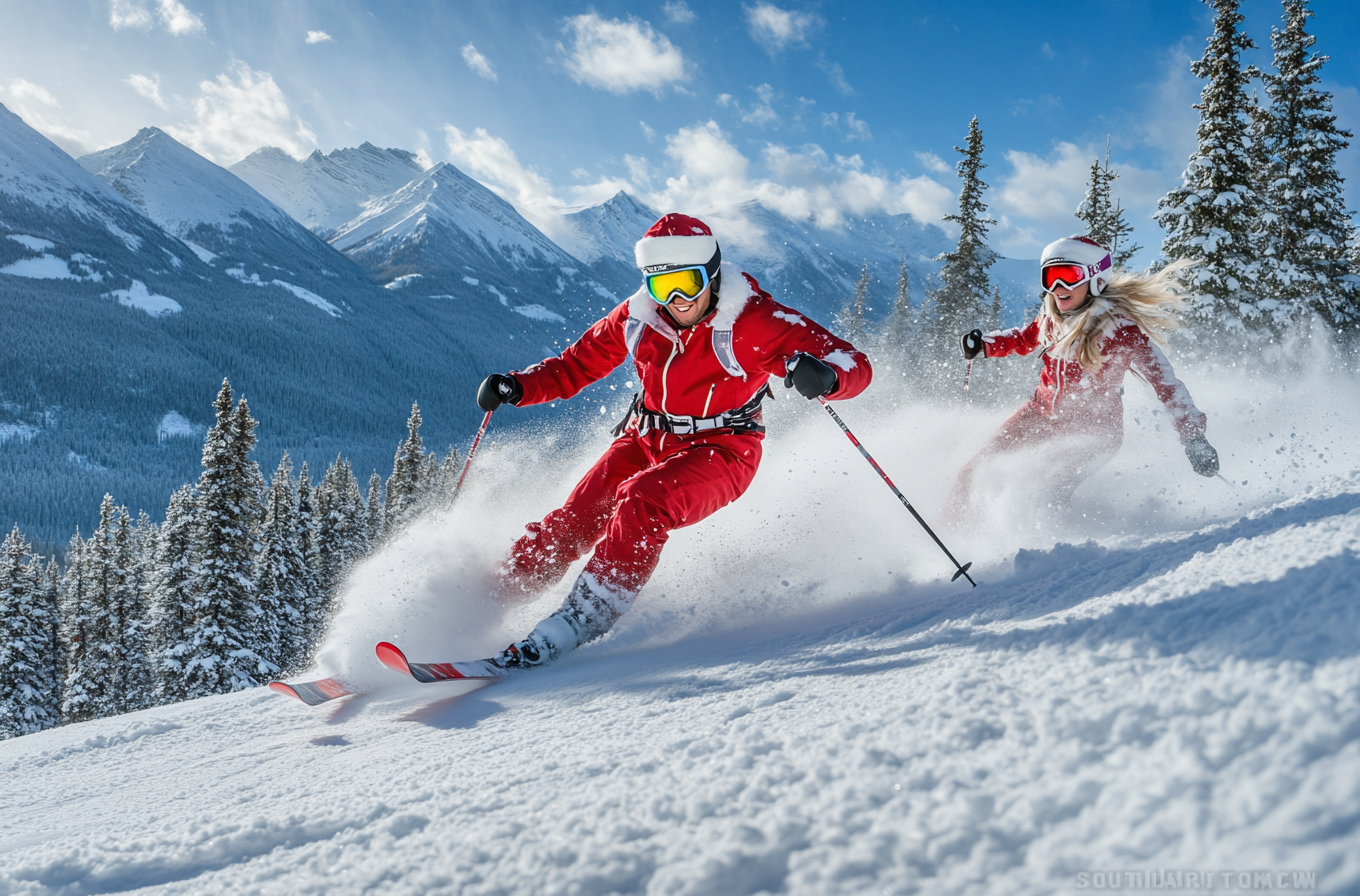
(340, 527)
(852, 318)
(134, 660)
(281, 574)
(1306, 230)
(171, 614)
(897, 331)
(450, 469)
(404, 485)
(374, 528)
(109, 590)
(24, 642)
(1103, 215)
(79, 692)
(218, 654)
(964, 290)
(55, 673)
(1211, 216)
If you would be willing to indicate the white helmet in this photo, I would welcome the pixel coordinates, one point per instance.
(1083, 252)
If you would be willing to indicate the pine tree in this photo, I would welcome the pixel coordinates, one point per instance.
(374, 529)
(1304, 236)
(134, 664)
(140, 682)
(109, 587)
(80, 698)
(404, 485)
(1103, 215)
(962, 296)
(281, 574)
(55, 671)
(852, 318)
(216, 650)
(1211, 216)
(24, 642)
(172, 604)
(340, 538)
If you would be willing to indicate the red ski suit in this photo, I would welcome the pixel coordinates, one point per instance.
(1074, 402)
(648, 481)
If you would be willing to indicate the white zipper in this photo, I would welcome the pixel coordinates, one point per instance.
(709, 399)
(666, 370)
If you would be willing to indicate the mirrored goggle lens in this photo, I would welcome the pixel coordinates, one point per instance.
(1068, 275)
(688, 283)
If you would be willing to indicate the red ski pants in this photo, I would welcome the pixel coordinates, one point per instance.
(627, 504)
(1073, 445)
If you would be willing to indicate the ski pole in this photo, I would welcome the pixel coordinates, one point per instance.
(486, 421)
(967, 373)
(963, 569)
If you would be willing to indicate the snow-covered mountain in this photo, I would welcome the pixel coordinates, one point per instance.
(325, 191)
(63, 223)
(221, 218)
(446, 234)
(1157, 691)
(603, 237)
(113, 325)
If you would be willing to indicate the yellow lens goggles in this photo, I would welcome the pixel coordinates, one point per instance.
(685, 283)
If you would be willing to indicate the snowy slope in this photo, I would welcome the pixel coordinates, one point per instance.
(799, 703)
(220, 217)
(325, 191)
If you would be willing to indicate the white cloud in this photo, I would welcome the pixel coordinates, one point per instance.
(775, 28)
(492, 162)
(932, 162)
(129, 14)
(647, 131)
(40, 110)
(1170, 119)
(622, 57)
(177, 19)
(836, 75)
(174, 16)
(478, 63)
(318, 37)
(240, 112)
(1047, 51)
(678, 11)
(147, 86)
(851, 128)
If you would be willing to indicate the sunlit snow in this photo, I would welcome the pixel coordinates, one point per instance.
(139, 297)
(1161, 678)
(538, 312)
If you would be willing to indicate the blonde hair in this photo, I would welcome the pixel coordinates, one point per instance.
(1151, 301)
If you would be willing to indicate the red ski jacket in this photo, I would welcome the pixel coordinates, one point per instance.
(715, 366)
(1066, 388)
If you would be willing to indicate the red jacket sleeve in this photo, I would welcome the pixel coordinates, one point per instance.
(1015, 341)
(591, 357)
(1149, 361)
(785, 332)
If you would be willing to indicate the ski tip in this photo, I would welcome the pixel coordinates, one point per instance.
(390, 655)
(314, 693)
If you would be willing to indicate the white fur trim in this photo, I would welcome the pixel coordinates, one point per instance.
(681, 250)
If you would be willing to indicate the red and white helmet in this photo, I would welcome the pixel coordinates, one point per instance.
(1074, 260)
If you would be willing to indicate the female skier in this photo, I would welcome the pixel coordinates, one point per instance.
(1095, 325)
(704, 338)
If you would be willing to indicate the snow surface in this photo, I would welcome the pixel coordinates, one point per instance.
(175, 425)
(1163, 676)
(306, 295)
(35, 243)
(139, 297)
(44, 267)
(538, 312)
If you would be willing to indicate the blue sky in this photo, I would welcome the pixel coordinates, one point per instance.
(822, 109)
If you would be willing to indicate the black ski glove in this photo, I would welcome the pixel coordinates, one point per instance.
(498, 389)
(812, 377)
(1203, 457)
(972, 345)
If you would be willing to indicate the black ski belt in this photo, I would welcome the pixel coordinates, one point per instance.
(744, 419)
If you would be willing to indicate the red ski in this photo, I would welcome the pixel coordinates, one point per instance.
(314, 693)
(390, 655)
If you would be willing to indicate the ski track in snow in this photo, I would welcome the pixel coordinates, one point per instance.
(1165, 675)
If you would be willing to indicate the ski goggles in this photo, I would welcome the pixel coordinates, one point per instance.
(682, 283)
(1070, 275)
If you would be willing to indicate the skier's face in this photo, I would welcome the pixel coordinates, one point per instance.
(1070, 299)
(689, 312)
